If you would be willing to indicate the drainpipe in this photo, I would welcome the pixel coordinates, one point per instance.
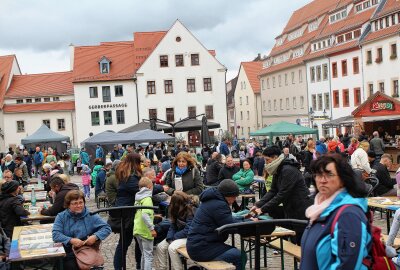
(330, 90)
(137, 97)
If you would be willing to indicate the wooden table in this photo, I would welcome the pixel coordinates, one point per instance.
(34, 181)
(40, 196)
(35, 242)
(377, 202)
(34, 213)
(29, 187)
(261, 185)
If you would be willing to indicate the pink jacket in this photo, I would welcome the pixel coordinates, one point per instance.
(86, 179)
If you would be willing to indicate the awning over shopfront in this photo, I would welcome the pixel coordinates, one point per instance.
(283, 128)
(346, 121)
(378, 107)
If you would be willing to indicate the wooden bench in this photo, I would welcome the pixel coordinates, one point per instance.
(212, 265)
(288, 248)
(396, 243)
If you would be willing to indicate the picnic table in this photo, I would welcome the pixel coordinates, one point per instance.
(29, 187)
(40, 196)
(34, 212)
(34, 181)
(260, 180)
(386, 204)
(35, 242)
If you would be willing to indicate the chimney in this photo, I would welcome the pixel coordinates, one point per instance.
(71, 56)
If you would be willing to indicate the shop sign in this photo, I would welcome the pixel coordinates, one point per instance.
(382, 105)
(108, 106)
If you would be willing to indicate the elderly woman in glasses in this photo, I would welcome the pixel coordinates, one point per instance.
(337, 235)
(76, 227)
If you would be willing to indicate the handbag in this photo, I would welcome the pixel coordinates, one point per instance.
(88, 257)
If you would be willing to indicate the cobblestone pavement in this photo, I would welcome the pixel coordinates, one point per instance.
(273, 260)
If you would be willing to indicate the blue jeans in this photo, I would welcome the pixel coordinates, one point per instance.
(232, 255)
(86, 189)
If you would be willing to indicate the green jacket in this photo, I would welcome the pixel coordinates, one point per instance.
(111, 187)
(143, 223)
(243, 178)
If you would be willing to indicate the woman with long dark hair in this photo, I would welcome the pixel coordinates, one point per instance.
(128, 174)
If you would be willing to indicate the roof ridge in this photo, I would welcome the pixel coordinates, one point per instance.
(45, 73)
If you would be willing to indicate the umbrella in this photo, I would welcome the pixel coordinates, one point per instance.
(142, 126)
(205, 136)
(191, 125)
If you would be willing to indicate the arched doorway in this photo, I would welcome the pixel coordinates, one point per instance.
(194, 138)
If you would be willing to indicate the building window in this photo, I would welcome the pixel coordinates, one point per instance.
(209, 111)
(301, 102)
(264, 106)
(119, 92)
(327, 101)
(47, 122)
(268, 83)
(106, 94)
(195, 59)
(242, 131)
(151, 87)
(247, 100)
(170, 114)
(395, 88)
(344, 68)
(168, 86)
(286, 79)
(273, 82)
(325, 72)
(357, 33)
(46, 99)
(300, 76)
(281, 104)
(292, 77)
(279, 80)
(346, 99)
(262, 84)
(314, 102)
(393, 51)
(95, 118)
(379, 56)
(275, 105)
(152, 113)
(20, 101)
(334, 70)
(93, 92)
(318, 73)
(369, 57)
(61, 124)
(356, 66)
(163, 60)
(312, 74)
(248, 115)
(370, 89)
(241, 115)
(349, 36)
(20, 126)
(56, 98)
(287, 104)
(319, 102)
(28, 100)
(294, 103)
(382, 87)
(357, 96)
(179, 60)
(192, 111)
(335, 98)
(269, 105)
(107, 117)
(191, 85)
(207, 84)
(240, 100)
(38, 100)
(120, 117)
(104, 67)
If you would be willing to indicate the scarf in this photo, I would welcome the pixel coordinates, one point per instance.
(7, 163)
(272, 167)
(314, 211)
(180, 171)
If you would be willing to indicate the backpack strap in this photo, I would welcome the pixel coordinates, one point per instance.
(338, 213)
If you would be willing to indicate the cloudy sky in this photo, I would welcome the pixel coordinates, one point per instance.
(39, 31)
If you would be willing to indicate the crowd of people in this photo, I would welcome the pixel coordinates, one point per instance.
(201, 190)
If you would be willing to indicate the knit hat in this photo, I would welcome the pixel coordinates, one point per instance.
(165, 166)
(9, 187)
(228, 188)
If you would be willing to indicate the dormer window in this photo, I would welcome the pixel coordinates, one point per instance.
(104, 65)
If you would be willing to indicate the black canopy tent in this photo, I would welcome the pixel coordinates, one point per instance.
(45, 137)
(346, 121)
(142, 126)
(190, 125)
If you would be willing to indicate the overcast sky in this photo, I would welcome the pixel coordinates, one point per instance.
(39, 31)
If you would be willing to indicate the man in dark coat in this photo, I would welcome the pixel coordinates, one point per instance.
(287, 188)
(60, 189)
(228, 170)
(203, 242)
(386, 183)
(213, 169)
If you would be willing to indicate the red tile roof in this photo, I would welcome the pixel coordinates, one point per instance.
(39, 85)
(395, 29)
(39, 107)
(6, 63)
(342, 47)
(389, 7)
(145, 43)
(287, 64)
(252, 69)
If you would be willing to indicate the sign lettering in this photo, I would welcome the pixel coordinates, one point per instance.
(382, 106)
(106, 106)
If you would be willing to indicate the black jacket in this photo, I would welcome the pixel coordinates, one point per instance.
(58, 205)
(258, 166)
(288, 187)
(10, 166)
(11, 211)
(227, 172)
(203, 242)
(385, 182)
(212, 172)
(126, 191)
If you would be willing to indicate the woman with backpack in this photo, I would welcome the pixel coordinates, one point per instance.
(337, 235)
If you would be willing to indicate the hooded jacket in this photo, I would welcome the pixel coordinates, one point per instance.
(58, 205)
(69, 225)
(203, 242)
(38, 158)
(11, 211)
(111, 186)
(24, 167)
(243, 178)
(350, 241)
(288, 187)
(320, 147)
(143, 223)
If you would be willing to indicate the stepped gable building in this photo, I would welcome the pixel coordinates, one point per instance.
(248, 105)
(36, 99)
(168, 75)
(230, 100)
